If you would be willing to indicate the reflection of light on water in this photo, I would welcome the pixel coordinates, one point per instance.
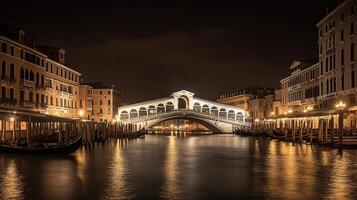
(171, 188)
(340, 186)
(11, 183)
(287, 169)
(117, 186)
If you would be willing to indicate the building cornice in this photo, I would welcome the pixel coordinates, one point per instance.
(332, 13)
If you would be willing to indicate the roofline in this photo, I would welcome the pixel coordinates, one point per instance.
(311, 66)
(144, 103)
(23, 46)
(332, 13)
(37, 52)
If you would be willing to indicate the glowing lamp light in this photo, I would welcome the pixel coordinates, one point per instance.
(290, 111)
(340, 105)
(81, 113)
(256, 120)
(12, 119)
(272, 113)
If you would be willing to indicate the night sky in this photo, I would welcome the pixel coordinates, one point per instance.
(149, 50)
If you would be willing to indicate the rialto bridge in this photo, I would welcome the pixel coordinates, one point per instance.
(183, 104)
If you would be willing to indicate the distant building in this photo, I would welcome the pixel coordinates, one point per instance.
(242, 97)
(105, 102)
(301, 88)
(86, 101)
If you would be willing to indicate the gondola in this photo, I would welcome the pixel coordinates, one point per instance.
(67, 148)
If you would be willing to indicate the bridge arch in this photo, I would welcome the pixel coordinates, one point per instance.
(133, 114)
(211, 126)
(143, 112)
(152, 110)
(160, 108)
(214, 111)
(170, 107)
(223, 113)
(205, 109)
(197, 107)
(124, 115)
(231, 115)
(183, 102)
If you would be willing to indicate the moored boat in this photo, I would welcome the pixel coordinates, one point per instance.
(66, 148)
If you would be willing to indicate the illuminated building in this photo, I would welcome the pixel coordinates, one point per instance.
(36, 78)
(105, 102)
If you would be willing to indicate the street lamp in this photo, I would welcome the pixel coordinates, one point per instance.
(340, 106)
(81, 113)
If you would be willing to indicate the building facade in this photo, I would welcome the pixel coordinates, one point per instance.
(242, 97)
(86, 101)
(31, 80)
(337, 54)
(300, 89)
(105, 102)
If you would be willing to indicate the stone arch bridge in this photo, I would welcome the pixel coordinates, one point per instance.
(183, 104)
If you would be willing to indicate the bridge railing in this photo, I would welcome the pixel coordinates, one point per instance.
(183, 112)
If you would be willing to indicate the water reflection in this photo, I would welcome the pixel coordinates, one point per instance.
(11, 182)
(117, 187)
(204, 167)
(171, 187)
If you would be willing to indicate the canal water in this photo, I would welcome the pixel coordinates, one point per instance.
(168, 167)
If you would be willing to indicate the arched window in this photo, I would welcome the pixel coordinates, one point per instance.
(223, 113)
(12, 72)
(143, 112)
(160, 108)
(169, 107)
(124, 115)
(37, 78)
(133, 114)
(27, 74)
(3, 70)
(31, 75)
(22, 73)
(197, 107)
(205, 109)
(214, 111)
(231, 115)
(152, 110)
(240, 116)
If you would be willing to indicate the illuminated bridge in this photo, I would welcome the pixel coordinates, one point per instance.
(183, 104)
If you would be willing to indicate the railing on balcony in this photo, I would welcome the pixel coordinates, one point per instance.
(27, 83)
(27, 104)
(41, 105)
(40, 87)
(8, 101)
(4, 79)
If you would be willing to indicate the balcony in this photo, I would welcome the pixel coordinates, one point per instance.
(40, 87)
(27, 104)
(8, 101)
(4, 79)
(27, 83)
(41, 105)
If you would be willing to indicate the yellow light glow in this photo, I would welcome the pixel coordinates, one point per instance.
(12, 119)
(81, 113)
(256, 120)
(341, 105)
(272, 113)
(290, 111)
